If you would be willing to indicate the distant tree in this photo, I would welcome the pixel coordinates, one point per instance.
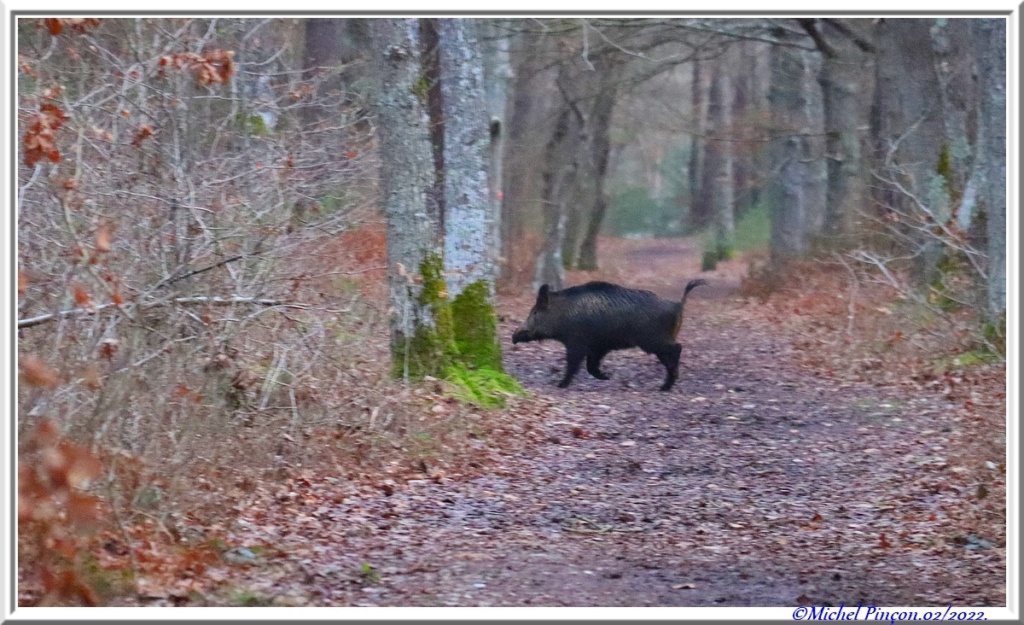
(792, 183)
(909, 136)
(842, 78)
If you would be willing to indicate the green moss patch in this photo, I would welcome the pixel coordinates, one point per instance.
(475, 325)
(485, 388)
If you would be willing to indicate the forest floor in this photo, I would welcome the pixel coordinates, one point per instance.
(785, 467)
(755, 481)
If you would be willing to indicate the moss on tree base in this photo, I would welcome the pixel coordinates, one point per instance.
(475, 324)
(460, 333)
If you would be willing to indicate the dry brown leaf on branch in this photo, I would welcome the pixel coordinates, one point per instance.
(39, 141)
(103, 236)
(35, 372)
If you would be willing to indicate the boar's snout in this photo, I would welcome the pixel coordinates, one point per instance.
(520, 336)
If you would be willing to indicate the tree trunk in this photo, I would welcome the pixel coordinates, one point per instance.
(842, 81)
(600, 150)
(470, 242)
(909, 136)
(742, 153)
(718, 164)
(331, 48)
(518, 172)
(990, 49)
(420, 326)
(560, 167)
(787, 190)
(322, 51)
(699, 214)
(430, 87)
(497, 73)
(951, 45)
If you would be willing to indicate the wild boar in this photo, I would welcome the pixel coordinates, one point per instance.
(597, 317)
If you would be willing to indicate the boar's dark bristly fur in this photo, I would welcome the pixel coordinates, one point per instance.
(598, 317)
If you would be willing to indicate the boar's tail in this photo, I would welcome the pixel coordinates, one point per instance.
(691, 285)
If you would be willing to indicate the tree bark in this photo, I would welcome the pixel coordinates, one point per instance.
(951, 45)
(699, 213)
(560, 165)
(519, 179)
(470, 233)
(497, 74)
(332, 46)
(909, 135)
(419, 330)
(990, 49)
(787, 192)
(842, 79)
(717, 186)
(600, 150)
(469, 223)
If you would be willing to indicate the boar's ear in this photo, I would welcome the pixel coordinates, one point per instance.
(542, 297)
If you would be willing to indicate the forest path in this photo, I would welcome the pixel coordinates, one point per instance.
(750, 483)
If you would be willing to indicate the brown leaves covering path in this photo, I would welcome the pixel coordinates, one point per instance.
(753, 482)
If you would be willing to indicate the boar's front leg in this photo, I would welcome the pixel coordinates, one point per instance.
(573, 360)
(594, 365)
(669, 357)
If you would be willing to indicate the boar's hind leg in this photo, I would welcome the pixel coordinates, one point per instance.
(594, 365)
(573, 360)
(670, 358)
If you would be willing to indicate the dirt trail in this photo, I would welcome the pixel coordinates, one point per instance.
(750, 483)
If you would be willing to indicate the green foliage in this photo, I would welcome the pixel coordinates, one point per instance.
(368, 574)
(251, 123)
(708, 260)
(949, 271)
(633, 212)
(485, 388)
(753, 230)
(995, 334)
(249, 599)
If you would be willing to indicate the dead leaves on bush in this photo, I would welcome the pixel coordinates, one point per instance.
(40, 137)
(54, 514)
(210, 68)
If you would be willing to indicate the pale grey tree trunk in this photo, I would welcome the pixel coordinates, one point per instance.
(720, 158)
(951, 45)
(743, 155)
(407, 177)
(990, 48)
(699, 213)
(814, 166)
(497, 75)
(796, 185)
(469, 239)
(788, 186)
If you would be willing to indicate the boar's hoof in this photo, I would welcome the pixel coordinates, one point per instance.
(563, 384)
